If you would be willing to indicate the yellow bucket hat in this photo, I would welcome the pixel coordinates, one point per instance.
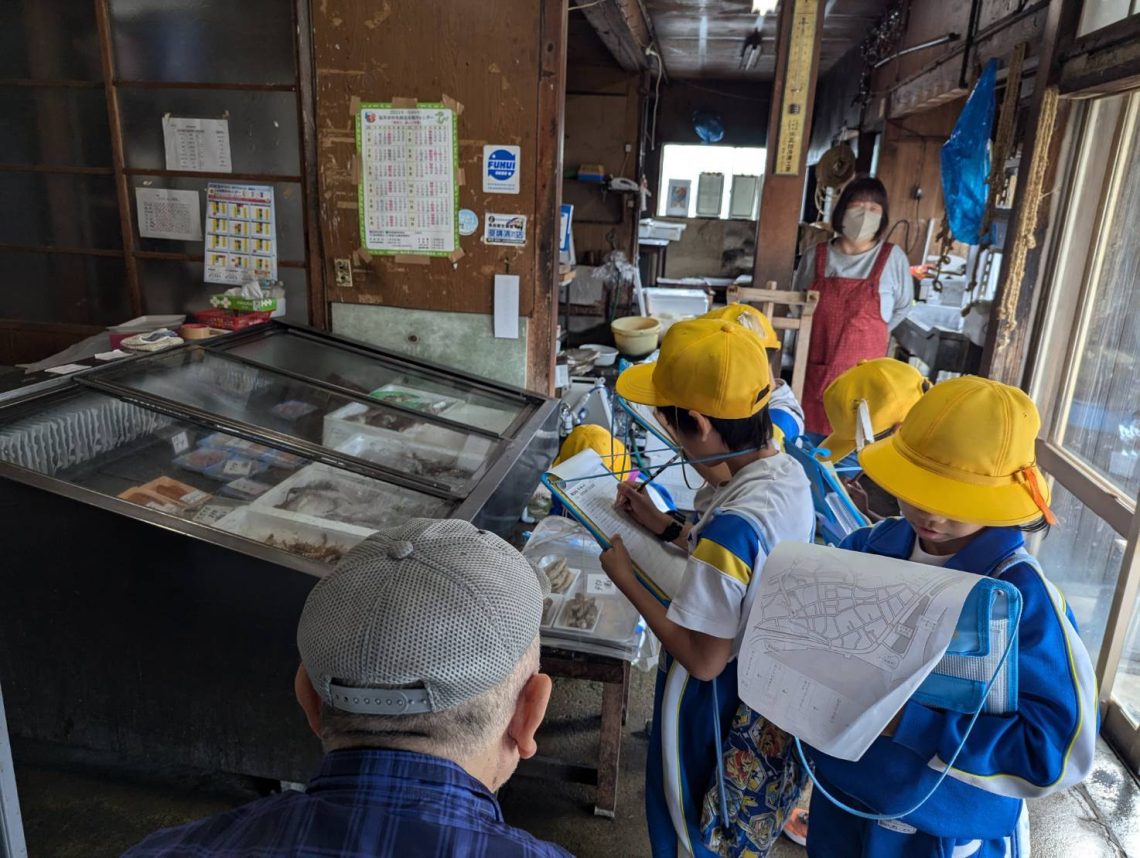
(716, 368)
(966, 451)
(590, 436)
(749, 317)
(870, 398)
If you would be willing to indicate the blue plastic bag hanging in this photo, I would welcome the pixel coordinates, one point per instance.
(966, 162)
(708, 126)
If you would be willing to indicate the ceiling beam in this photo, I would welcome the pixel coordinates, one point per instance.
(622, 29)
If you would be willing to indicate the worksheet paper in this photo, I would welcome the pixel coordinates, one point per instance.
(592, 489)
(837, 641)
(408, 191)
(163, 213)
(197, 145)
(241, 233)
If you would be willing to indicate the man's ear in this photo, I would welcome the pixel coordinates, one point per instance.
(308, 698)
(530, 709)
(704, 427)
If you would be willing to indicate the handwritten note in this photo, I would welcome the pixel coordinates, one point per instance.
(163, 213)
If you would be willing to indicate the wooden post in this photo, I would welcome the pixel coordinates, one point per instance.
(781, 200)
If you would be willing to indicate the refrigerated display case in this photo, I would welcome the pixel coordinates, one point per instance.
(165, 516)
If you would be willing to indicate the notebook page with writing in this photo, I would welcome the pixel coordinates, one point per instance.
(589, 492)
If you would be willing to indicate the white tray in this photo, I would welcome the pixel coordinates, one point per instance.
(260, 524)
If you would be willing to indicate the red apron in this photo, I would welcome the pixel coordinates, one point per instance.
(847, 327)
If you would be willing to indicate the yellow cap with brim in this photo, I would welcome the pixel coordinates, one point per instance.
(716, 368)
(889, 387)
(749, 317)
(966, 451)
(590, 436)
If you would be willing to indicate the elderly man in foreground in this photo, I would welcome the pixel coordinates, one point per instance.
(419, 672)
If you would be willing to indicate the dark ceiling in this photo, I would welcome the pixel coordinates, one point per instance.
(704, 38)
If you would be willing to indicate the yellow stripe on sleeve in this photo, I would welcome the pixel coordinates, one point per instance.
(723, 560)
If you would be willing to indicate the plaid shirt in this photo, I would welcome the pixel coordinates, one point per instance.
(362, 804)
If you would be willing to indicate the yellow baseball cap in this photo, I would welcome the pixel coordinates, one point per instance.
(966, 451)
(749, 317)
(888, 387)
(716, 368)
(590, 436)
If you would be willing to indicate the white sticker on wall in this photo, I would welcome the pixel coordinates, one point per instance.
(508, 229)
(501, 169)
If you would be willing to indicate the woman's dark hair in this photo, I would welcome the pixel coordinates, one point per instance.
(865, 188)
(748, 433)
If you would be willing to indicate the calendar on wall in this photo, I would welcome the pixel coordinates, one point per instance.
(408, 195)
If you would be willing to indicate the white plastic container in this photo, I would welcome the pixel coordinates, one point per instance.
(650, 228)
(677, 302)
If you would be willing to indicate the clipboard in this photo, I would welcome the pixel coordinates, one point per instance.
(583, 485)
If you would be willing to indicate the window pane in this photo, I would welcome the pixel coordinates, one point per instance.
(288, 211)
(49, 40)
(1096, 14)
(263, 126)
(1126, 686)
(1101, 424)
(177, 287)
(61, 211)
(1082, 555)
(199, 40)
(680, 161)
(63, 288)
(54, 127)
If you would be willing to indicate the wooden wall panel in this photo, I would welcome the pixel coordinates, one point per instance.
(490, 62)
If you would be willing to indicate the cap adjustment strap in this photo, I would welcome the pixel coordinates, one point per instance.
(379, 701)
(1034, 489)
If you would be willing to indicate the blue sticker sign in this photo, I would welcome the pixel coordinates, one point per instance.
(501, 169)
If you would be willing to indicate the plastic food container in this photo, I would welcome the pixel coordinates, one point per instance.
(141, 325)
(604, 355)
(636, 335)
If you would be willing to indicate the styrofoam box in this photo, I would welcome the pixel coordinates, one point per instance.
(650, 228)
(682, 302)
(397, 504)
(259, 524)
(426, 440)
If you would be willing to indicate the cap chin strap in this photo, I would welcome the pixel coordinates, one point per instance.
(379, 701)
(864, 431)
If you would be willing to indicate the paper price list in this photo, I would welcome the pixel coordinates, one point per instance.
(408, 179)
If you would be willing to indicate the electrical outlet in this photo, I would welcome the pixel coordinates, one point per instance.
(343, 273)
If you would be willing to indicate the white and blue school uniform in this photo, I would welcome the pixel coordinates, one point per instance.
(1046, 745)
(766, 502)
(786, 413)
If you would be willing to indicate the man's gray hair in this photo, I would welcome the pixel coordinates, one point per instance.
(458, 733)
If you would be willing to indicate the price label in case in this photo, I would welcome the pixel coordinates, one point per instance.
(180, 442)
(599, 585)
(238, 468)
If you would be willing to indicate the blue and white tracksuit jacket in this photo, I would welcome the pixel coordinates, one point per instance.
(1045, 746)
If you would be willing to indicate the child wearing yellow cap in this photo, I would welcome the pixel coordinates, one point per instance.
(711, 388)
(785, 410)
(590, 436)
(865, 404)
(962, 466)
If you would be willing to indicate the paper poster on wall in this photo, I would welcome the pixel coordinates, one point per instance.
(198, 145)
(507, 229)
(677, 202)
(241, 233)
(501, 169)
(408, 197)
(174, 215)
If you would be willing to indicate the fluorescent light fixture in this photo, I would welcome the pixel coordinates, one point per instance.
(763, 7)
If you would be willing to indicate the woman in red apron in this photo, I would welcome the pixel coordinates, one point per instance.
(864, 290)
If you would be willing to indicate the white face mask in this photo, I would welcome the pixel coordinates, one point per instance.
(861, 224)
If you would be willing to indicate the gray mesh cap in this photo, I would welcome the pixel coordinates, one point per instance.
(419, 618)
